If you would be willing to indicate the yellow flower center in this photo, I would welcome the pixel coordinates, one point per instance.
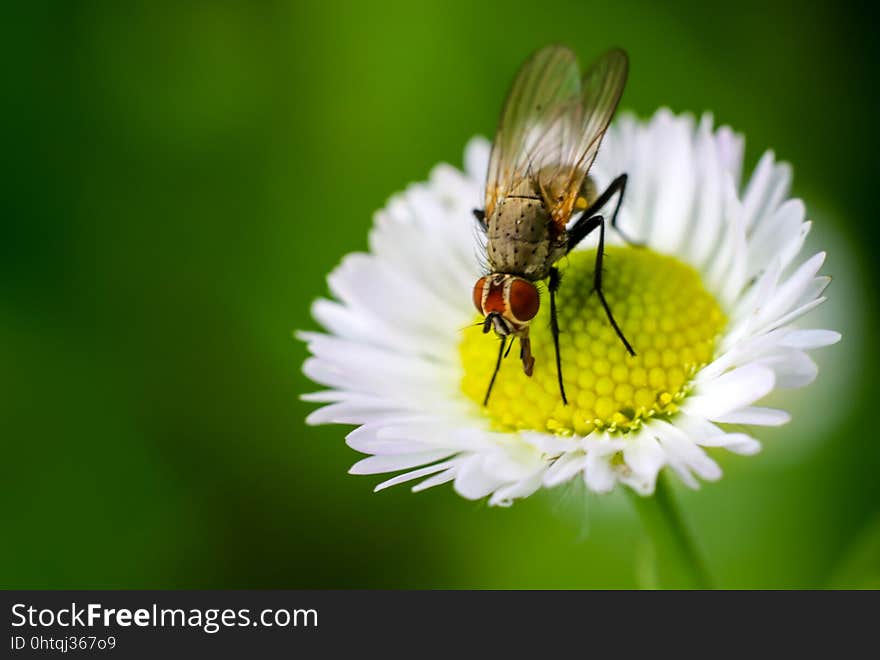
(663, 309)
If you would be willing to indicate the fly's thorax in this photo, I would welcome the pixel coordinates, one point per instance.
(521, 237)
(507, 302)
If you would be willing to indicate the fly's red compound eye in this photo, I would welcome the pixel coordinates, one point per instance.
(479, 287)
(523, 300)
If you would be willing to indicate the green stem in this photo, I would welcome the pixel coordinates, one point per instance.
(678, 564)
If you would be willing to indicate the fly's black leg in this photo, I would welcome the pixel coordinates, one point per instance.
(585, 226)
(497, 367)
(616, 186)
(597, 284)
(480, 215)
(582, 228)
(555, 279)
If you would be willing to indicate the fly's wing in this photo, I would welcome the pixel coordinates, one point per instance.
(546, 89)
(575, 137)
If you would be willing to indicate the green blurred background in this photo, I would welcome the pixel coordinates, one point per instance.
(179, 181)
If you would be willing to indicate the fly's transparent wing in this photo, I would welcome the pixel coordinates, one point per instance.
(575, 138)
(533, 125)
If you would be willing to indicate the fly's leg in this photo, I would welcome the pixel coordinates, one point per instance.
(555, 279)
(576, 234)
(581, 229)
(597, 284)
(525, 354)
(497, 367)
(616, 186)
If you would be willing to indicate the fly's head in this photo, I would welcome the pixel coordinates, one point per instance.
(509, 303)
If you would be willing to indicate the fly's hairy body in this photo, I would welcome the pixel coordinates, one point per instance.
(521, 236)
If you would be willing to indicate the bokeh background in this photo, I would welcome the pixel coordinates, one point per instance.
(180, 178)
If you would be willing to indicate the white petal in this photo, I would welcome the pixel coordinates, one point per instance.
(354, 410)
(415, 474)
(709, 205)
(375, 290)
(642, 486)
(767, 188)
(731, 147)
(645, 457)
(368, 439)
(598, 473)
(324, 396)
(814, 289)
(792, 368)
(379, 464)
(404, 379)
(676, 183)
(779, 237)
(730, 391)
(727, 268)
(523, 488)
(437, 479)
(807, 339)
(473, 482)
(789, 292)
(548, 444)
(342, 321)
(795, 314)
(755, 415)
(684, 454)
(564, 468)
(738, 443)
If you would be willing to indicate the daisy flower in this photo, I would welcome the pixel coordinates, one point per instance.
(709, 303)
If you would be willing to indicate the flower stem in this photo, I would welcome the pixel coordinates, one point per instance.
(677, 563)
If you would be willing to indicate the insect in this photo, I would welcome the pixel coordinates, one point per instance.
(549, 133)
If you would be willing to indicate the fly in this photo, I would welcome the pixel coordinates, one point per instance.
(548, 136)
